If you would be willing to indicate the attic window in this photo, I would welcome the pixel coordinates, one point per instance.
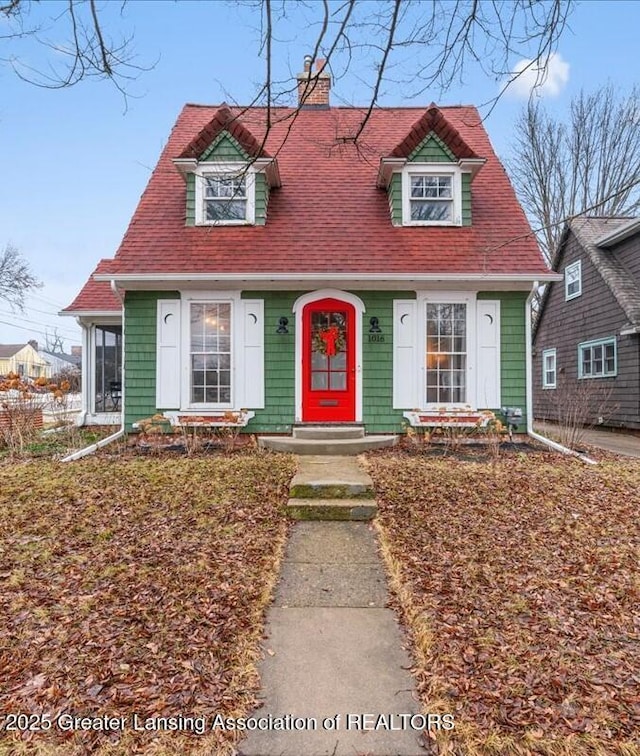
(573, 280)
(225, 195)
(225, 198)
(431, 196)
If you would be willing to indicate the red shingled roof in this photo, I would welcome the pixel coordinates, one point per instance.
(224, 120)
(328, 215)
(434, 121)
(95, 296)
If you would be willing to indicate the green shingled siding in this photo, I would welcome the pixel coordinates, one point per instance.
(140, 353)
(513, 349)
(191, 199)
(432, 150)
(279, 363)
(262, 199)
(395, 199)
(224, 147)
(279, 356)
(466, 199)
(377, 363)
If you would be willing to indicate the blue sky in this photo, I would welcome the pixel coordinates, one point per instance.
(75, 161)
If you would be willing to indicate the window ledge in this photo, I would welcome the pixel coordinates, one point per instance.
(225, 223)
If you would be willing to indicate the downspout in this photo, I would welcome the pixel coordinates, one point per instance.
(529, 388)
(120, 432)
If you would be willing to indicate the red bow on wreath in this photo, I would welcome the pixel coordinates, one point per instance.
(330, 336)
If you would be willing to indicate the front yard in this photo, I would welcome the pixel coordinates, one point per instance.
(521, 586)
(134, 587)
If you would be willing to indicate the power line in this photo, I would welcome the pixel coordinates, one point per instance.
(595, 206)
(47, 301)
(39, 323)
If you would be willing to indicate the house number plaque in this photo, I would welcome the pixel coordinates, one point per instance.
(376, 338)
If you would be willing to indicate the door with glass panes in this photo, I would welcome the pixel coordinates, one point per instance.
(328, 362)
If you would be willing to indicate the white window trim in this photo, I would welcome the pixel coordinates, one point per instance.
(218, 168)
(577, 265)
(453, 297)
(208, 297)
(549, 353)
(593, 343)
(432, 169)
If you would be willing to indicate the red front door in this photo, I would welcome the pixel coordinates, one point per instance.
(328, 362)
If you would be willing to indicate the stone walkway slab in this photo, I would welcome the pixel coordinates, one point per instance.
(330, 477)
(354, 585)
(334, 654)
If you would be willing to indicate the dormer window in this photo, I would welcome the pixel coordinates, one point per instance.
(431, 196)
(225, 198)
(225, 195)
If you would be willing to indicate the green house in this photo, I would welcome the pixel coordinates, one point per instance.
(279, 272)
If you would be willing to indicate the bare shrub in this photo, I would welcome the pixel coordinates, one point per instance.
(21, 409)
(579, 405)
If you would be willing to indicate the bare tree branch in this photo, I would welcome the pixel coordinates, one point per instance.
(76, 36)
(16, 278)
(589, 164)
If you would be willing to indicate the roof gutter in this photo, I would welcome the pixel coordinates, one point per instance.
(529, 389)
(622, 233)
(124, 278)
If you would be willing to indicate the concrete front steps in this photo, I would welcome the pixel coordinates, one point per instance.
(331, 488)
(327, 439)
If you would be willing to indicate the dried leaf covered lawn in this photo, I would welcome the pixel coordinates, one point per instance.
(135, 586)
(520, 584)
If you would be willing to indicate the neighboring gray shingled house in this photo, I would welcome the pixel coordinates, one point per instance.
(588, 332)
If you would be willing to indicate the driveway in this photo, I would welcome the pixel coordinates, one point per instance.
(613, 441)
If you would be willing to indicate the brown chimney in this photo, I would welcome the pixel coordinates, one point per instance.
(76, 351)
(313, 88)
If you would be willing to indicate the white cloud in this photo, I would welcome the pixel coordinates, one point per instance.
(540, 79)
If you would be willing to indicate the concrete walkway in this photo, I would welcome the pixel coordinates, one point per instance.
(334, 652)
(618, 443)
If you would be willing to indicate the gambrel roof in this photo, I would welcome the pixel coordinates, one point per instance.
(328, 215)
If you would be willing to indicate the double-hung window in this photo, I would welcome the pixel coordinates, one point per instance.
(431, 196)
(210, 353)
(446, 353)
(225, 195)
(597, 359)
(549, 368)
(573, 280)
(225, 198)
